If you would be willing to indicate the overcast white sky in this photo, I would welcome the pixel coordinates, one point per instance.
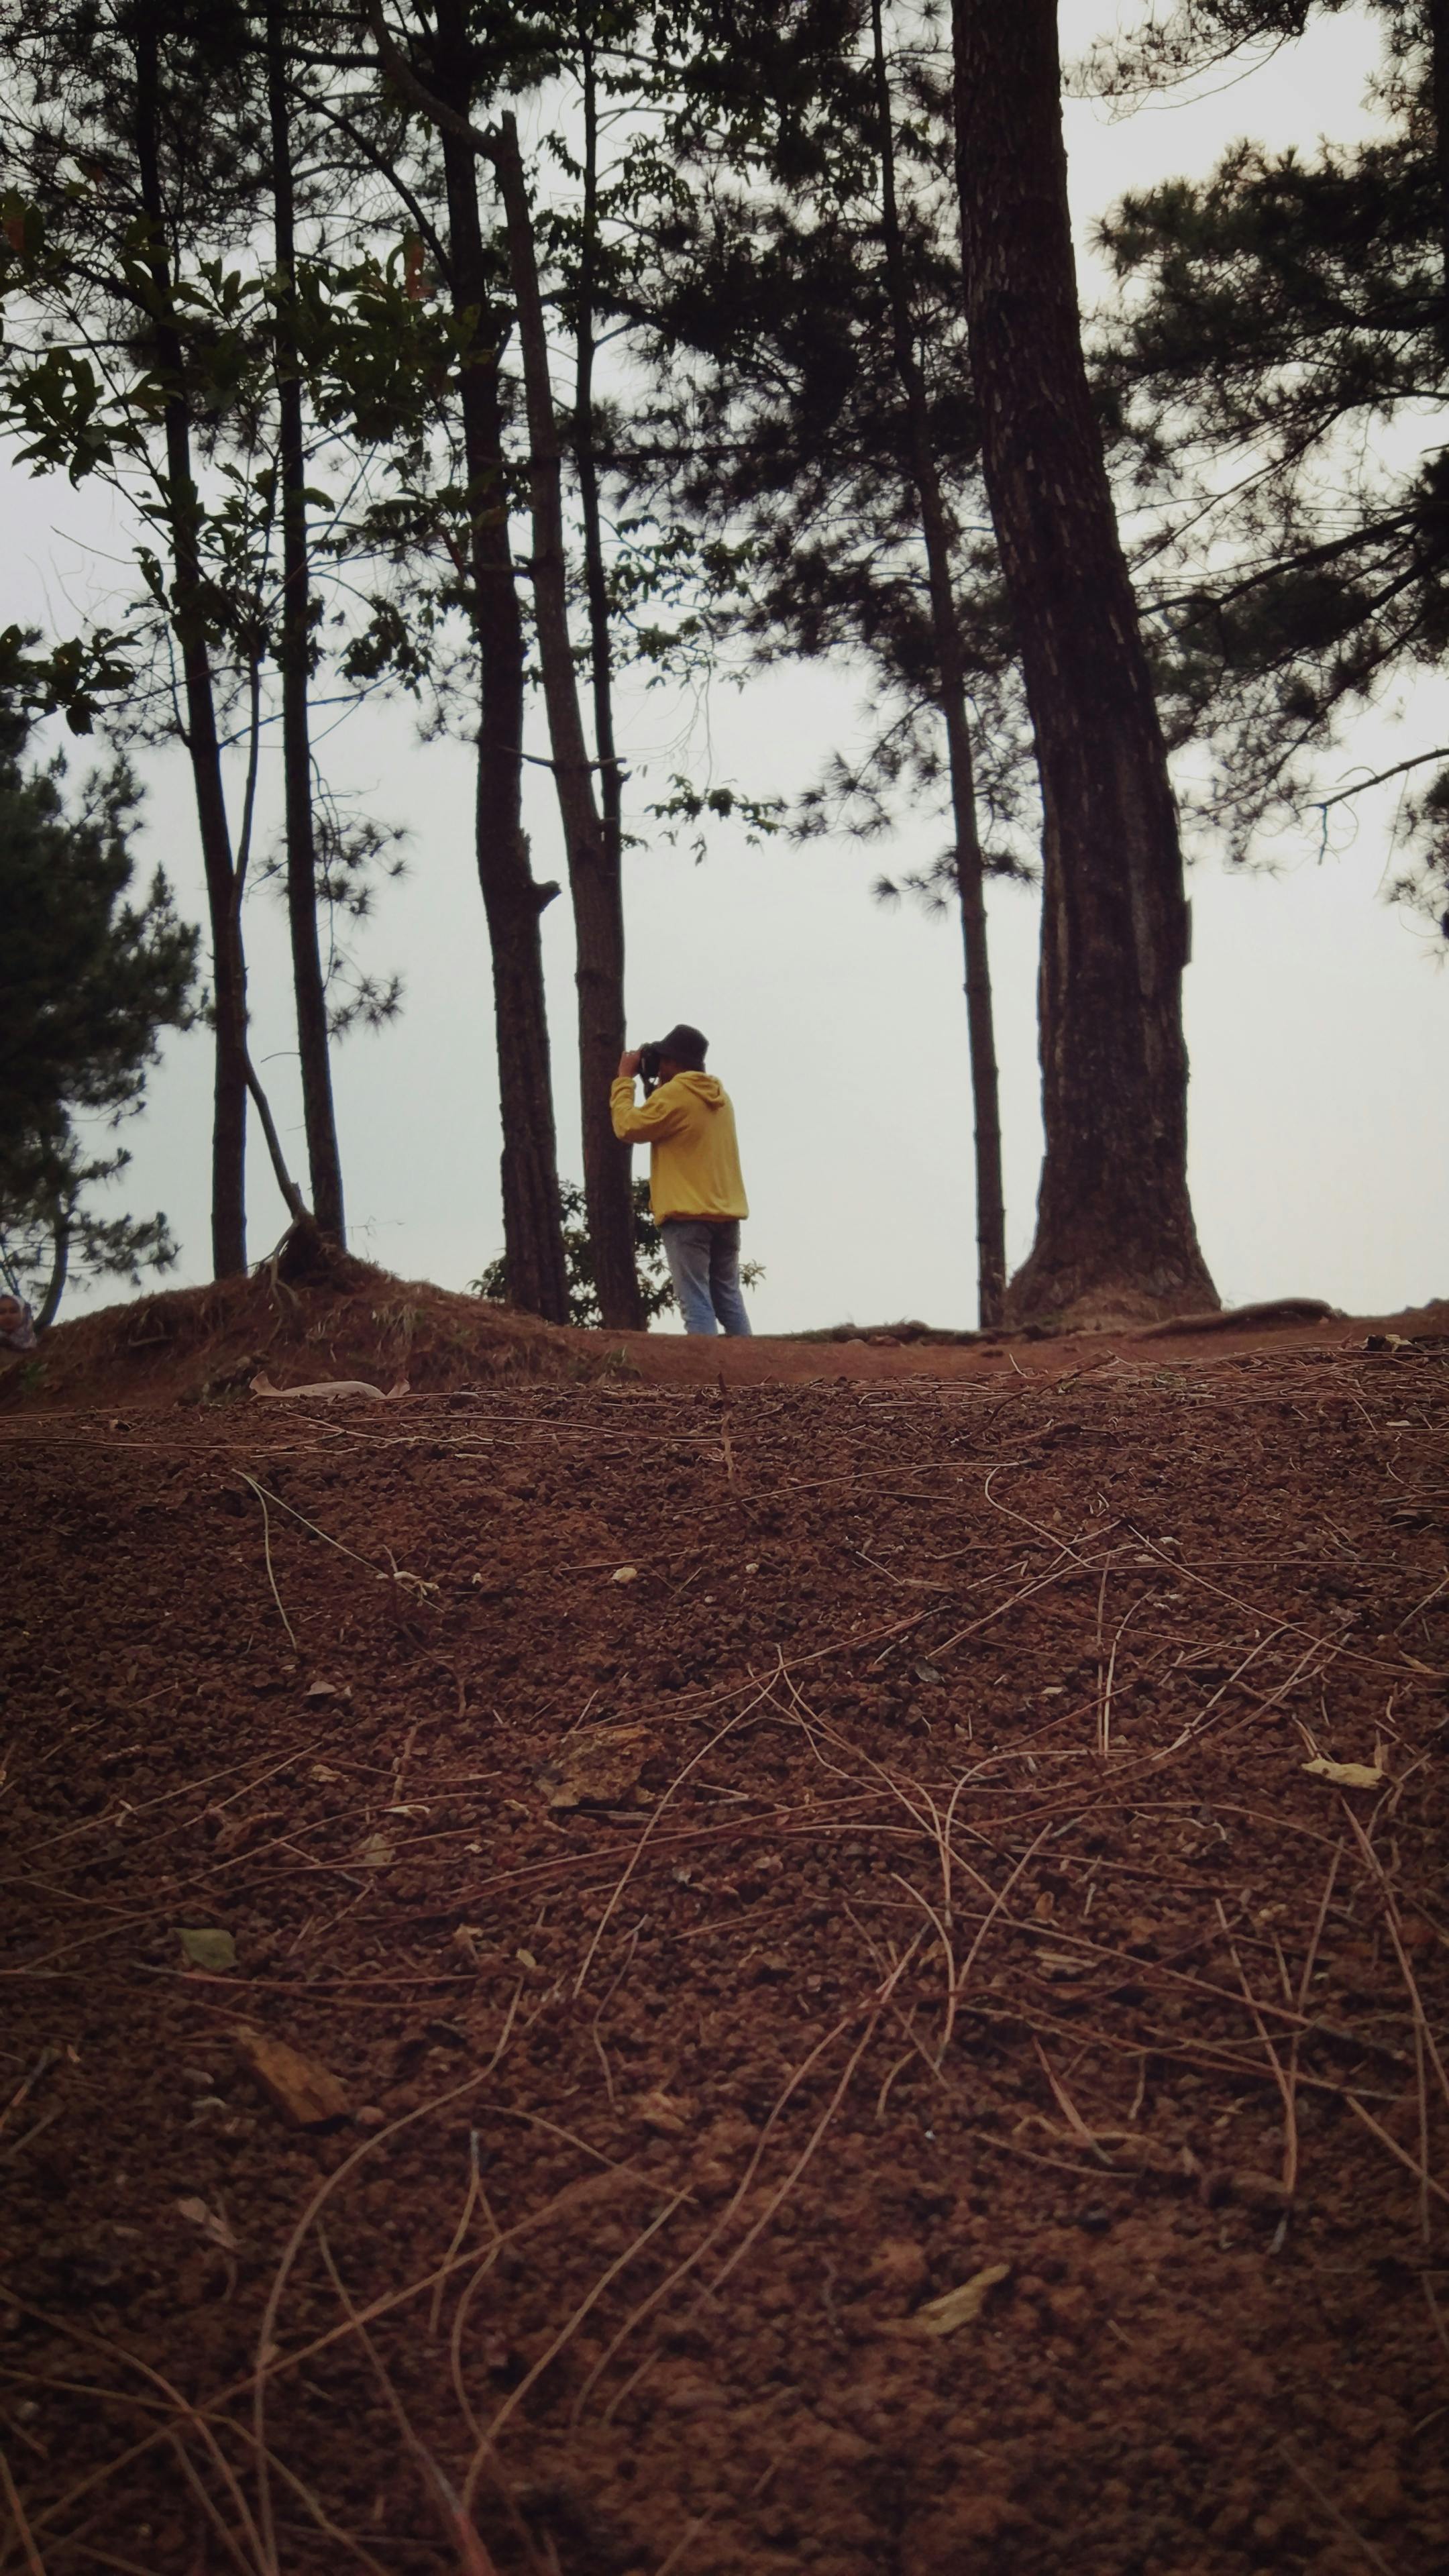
(1317, 1016)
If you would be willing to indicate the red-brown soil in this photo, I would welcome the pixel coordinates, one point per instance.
(908, 1878)
(357, 1322)
(206, 1344)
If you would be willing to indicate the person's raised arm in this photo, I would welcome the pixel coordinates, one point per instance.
(650, 1120)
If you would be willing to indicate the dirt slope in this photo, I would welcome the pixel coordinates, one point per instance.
(207, 1344)
(756, 1863)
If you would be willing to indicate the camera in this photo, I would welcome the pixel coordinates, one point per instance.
(650, 1059)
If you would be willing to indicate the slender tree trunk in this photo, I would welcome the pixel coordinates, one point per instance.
(601, 650)
(228, 968)
(59, 1268)
(296, 1206)
(513, 899)
(1438, 15)
(612, 1160)
(1115, 1231)
(323, 1159)
(938, 537)
(594, 870)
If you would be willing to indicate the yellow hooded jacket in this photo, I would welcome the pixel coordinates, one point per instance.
(694, 1159)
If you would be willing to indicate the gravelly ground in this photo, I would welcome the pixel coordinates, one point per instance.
(907, 1878)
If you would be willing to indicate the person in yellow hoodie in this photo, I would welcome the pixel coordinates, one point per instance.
(696, 1194)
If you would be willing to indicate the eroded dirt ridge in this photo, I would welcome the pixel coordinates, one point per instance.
(861, 2044)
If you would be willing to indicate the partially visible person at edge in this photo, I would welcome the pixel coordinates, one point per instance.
(696, 1194)
(17, 1325)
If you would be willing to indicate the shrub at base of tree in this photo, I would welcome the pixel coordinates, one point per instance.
(656, 1292)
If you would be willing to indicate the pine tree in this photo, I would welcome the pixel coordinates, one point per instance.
(153, 343)
(460, 77)
(1114, 1222)
(813, 421)
(138, 351)
(280, 30)
(89, 976)
(1284, 341)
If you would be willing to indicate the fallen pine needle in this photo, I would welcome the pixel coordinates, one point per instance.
(35, 2564)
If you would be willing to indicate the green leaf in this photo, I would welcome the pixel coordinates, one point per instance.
(207, 1949)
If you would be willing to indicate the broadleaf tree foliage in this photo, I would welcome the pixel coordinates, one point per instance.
(656, 1289)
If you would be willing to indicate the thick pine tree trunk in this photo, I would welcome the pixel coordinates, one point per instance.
(1115, 1230)
(595, 884)
(228, 963)
(938, 538)
(324, 1161)
(513, 899)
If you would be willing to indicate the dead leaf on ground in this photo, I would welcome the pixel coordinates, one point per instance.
(1059, 1966)
(307, 2095)
(211, 2223)
(237, 1831)
(1134, 2147)
(596, 1767)
(1260, 2191)
(376, 1852)
(207, 1947)
(328, 1389)
(1346, 1775)
(665, 2113)
(625, 1574)
(960, 2307)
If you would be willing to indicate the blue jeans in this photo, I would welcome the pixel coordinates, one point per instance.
(704, 1264)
